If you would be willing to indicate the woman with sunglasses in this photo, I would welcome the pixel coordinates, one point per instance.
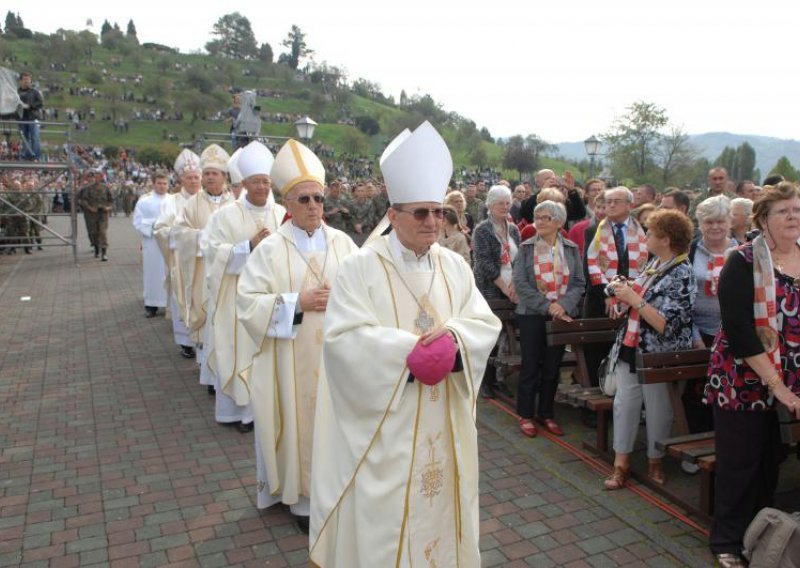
(549, 281)
(495, 242)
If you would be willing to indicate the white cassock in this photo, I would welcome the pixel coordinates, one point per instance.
(171, 209)
(395, 478)
(191, 265)
(280, 364)
(226, 248)
(154, 267)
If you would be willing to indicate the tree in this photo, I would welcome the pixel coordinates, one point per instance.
(130, 33)
(198, 79)
(15, 27)
(354, 142)
(265, 53)
(675, 154)
(105, 28)
(11, 22)
(368, 125)
(785, 168)
(235, 38)
(634, 138)
(403, 98)
(745, 162)
(111, 37)
(518, 156)
(298, 48)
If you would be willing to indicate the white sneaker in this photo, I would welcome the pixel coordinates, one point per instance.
(689, 467)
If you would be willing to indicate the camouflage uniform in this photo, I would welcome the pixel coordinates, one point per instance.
(362, 212)
(477, 209)
(16, 225)
(339, 220)
(97, 197)
(35, 207)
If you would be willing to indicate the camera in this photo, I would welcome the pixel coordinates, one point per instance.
(610, 289)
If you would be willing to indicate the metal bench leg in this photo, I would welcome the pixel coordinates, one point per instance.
(602, 431)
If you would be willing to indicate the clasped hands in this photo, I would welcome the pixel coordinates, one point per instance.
(315, 299)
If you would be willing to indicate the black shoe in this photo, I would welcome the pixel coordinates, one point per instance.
(28, 250)
(96, 251)
(302, 523)
(39, 247)
(150, 312)
(212, 390)
(187, 352)
(487, 391)
(244, 428)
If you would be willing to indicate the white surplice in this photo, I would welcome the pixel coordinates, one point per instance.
(395, 477)
(154, 266)
(226, 248)
(279, 372)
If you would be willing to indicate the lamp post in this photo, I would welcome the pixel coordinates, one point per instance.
(592, 145)
(305, 128)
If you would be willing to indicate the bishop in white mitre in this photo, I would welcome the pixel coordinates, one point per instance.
(154, 266)
(231, 237)
(187, 167)
(283, 294)
(188, 229)
(395, 476)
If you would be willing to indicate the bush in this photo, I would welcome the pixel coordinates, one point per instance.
(162, 154)
(368, 125)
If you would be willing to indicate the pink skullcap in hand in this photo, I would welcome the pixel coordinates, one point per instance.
(431, 363)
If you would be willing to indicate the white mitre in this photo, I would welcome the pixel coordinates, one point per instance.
(187, 161)
(295, 164)
(417, 166)
(254, 159)
(233, 169)
(214, 157)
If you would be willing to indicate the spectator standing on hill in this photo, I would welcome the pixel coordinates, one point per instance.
(32, 109)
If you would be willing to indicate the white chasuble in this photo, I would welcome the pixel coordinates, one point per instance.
(154, 266)
(279, 376)
(395, 477)
(195, 216)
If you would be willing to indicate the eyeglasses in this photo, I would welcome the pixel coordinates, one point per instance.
(794, 212)
(421, 213)
(306, 199)
(545, 218)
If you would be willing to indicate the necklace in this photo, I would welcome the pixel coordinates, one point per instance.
(424, 322)
(319, 276)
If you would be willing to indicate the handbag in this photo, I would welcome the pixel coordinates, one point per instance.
(773, 539)
(607, 376)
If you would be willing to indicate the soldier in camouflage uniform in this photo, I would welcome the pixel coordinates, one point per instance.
(96, 201)
(35, 207)
(362, 214)
(337, 208)
(16, 224)
(380, 202)
(129, 197)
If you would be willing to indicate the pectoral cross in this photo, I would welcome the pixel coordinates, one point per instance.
(424, 321)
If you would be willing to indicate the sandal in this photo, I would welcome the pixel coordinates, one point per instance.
(655, 471)
(617, 479)
(527, 427)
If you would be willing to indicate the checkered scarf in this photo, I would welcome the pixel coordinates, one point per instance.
(764, 308)
(715, 264)
(550, 268)
(653, 272)
(601, 255)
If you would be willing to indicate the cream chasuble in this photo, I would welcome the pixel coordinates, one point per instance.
(226, 248)
(279, 376)
(395, 478)
(195, 216)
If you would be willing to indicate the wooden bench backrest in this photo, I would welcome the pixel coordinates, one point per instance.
(789, 426)
(655, 368)
(582, 331)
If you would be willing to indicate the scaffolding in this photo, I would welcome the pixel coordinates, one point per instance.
(24, 210)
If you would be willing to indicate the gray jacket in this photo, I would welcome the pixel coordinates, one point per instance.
(531, 301)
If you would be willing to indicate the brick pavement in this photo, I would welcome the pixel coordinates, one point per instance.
(110, 456)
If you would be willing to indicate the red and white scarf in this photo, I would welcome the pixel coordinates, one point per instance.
(764, 307)
(715, 264)
(602, 258)
(654, 270)
(550, 268)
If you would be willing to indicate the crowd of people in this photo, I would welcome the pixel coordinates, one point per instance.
(256, 259)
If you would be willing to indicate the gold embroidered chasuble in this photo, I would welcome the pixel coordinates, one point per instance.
(395, 478)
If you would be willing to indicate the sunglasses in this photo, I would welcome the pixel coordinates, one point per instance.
(306, 199)
(421, 213)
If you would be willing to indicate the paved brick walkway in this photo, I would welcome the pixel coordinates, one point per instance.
(109, 453)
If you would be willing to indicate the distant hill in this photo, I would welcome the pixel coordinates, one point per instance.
(711, 144)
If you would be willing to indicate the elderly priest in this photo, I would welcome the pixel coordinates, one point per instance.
(407, 337)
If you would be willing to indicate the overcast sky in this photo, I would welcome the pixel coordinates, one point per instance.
(562, 69)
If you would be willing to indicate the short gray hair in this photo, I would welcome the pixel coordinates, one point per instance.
(717, 207)
(496, 193)
(555, 209)
(621, 189)
(744, 203)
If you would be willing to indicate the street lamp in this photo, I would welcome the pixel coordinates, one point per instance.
(305, 128)
(592, 145)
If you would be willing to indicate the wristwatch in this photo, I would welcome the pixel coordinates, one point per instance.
(642, 304)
